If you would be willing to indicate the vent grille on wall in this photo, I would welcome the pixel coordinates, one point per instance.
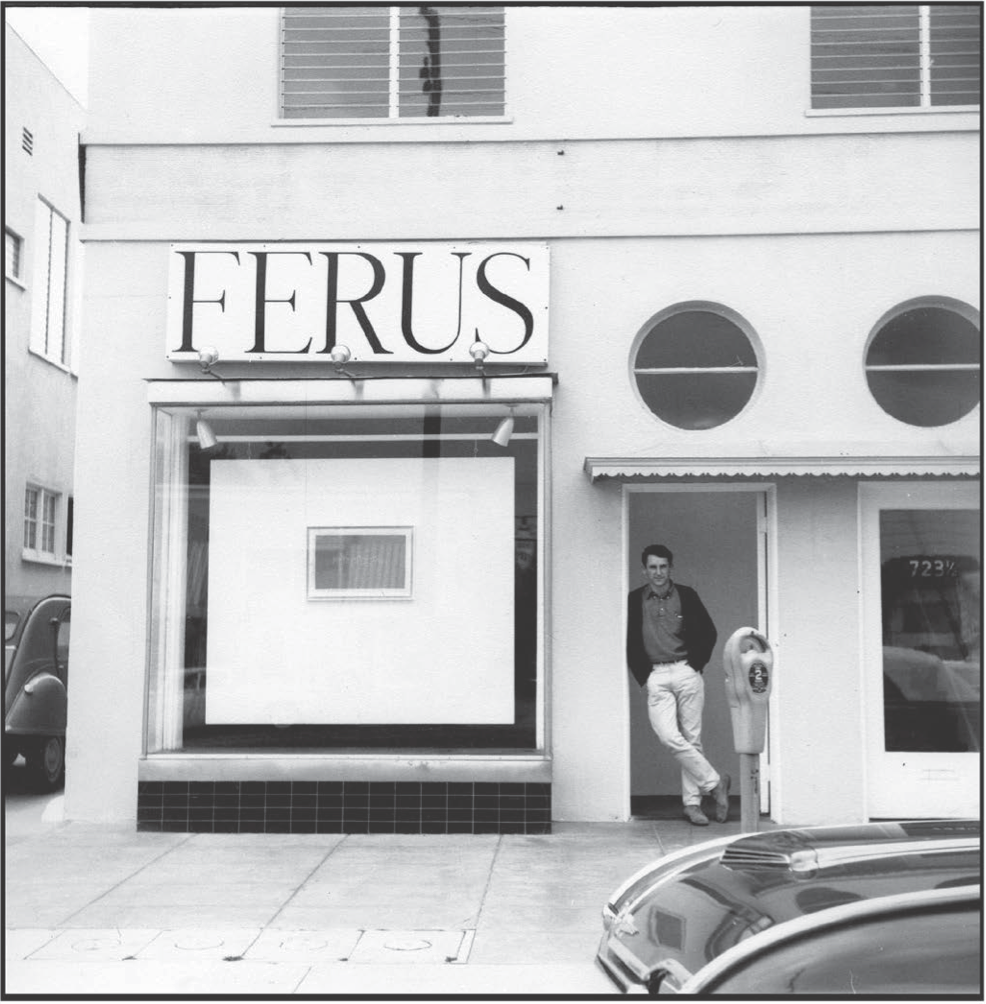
(27, 141)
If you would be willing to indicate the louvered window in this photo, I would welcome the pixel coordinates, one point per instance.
(392, 62)
(895, 56)
(48, 303)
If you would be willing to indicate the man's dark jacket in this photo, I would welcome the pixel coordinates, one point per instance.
(698, 633)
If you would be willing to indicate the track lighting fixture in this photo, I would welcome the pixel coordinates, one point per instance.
(479, 351)
(203, 432)
(340, 355)
(504, 431)
(208, 357)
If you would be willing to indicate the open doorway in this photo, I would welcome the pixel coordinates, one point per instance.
(719, 540)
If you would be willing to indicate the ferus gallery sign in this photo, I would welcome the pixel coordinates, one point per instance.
(407, 303)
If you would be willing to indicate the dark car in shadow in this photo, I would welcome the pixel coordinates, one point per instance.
(35, 698)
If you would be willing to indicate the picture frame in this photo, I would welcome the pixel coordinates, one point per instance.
(360, 562)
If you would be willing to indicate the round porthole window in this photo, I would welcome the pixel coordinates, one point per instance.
(695, 366)
(923, 362)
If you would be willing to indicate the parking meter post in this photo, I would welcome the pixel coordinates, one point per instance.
(749, 792)
(748, 660)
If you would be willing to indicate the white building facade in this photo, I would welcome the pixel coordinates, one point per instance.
(707, 288)
(42, 295)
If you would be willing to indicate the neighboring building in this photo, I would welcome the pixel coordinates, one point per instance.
(42, 287)
(727, 268)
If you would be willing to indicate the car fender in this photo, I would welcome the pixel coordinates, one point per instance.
(705, 981)
(40, 707)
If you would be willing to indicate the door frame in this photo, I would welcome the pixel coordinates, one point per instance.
(767, 613)
(879, 800)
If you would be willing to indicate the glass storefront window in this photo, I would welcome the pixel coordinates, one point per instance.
(932, 643)
(339, 578)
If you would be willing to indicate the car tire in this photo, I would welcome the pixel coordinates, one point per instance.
(46, 763)
(10, 752)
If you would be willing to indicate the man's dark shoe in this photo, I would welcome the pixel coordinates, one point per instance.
(721, 794)
(696, 816)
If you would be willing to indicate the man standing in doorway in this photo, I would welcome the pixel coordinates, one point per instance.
(670, 637)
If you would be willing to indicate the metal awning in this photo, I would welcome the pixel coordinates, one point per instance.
(653, 468)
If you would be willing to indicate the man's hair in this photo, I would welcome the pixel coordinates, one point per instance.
(659, 551)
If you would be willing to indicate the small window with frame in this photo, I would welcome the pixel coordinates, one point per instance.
(362, 562)
(40, 518)
(13, 256)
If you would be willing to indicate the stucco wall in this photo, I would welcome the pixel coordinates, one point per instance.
(812, 301)
(569, 189)
(39, 397)
(819, 679)
(123, 336)
(572, 72)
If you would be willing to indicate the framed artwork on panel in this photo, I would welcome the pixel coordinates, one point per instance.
(359, 562)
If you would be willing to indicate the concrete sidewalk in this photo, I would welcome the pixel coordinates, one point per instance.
(111, 911)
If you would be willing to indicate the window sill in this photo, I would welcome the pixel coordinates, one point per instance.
(439, 766)
(14, 281)
(40, 558)
(824, 113)
(417, 121)
(52, 362)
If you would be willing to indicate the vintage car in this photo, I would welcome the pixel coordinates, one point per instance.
(35, 697)
(864, 909)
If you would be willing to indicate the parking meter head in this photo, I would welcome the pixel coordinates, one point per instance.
(748, 660)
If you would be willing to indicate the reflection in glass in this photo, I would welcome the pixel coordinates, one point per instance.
(932, 648)
(344, 559)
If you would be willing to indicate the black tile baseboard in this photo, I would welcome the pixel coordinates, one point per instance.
(343, 807)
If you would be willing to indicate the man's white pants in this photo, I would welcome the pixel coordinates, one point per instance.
(675, 698)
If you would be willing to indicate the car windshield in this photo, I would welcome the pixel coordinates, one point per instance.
(11, 618)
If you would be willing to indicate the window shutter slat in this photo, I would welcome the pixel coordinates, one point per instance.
(337, 62)
(869, 56)
(451, 61)
(865, 57)
(956, 76)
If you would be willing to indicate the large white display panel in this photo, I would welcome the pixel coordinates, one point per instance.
(442, 655)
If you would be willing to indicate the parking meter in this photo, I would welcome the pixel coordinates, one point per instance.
(749, 661)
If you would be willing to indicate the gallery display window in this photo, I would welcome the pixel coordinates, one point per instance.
(341, 578)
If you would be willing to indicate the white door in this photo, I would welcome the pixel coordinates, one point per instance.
(920, 546)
